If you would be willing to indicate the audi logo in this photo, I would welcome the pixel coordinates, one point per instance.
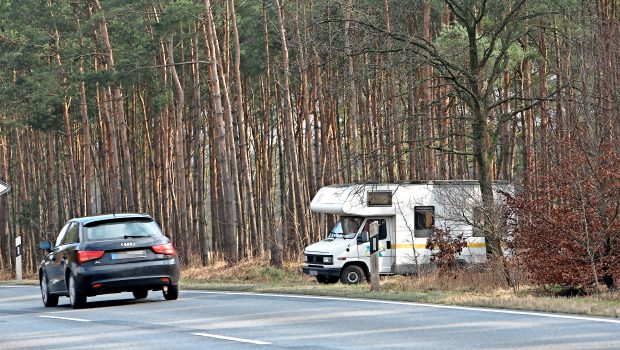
(128, 244)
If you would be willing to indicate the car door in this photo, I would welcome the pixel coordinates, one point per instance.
(63, 253)
(66, 251)
(52, 263)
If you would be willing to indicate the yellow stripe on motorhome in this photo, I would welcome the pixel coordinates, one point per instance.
(423, 245)
(410, 246)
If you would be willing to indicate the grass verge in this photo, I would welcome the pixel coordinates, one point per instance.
(466, 288)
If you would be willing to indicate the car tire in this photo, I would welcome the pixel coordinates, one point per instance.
(77, 298)
(141, 293)
(172, 293)
(352, 274)
(327, 279)
(49, 300)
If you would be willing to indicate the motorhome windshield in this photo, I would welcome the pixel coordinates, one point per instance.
(347, 227)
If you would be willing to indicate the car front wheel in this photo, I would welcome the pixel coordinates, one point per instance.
(77, 299)
(48, 299)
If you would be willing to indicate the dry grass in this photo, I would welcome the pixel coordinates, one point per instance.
(246, 271)
(462, 281)
(6, 275)
(467, 287)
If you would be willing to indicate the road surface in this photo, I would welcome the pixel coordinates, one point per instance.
(225, 320)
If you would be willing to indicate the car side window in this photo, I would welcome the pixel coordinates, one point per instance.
(62, 234)
(72, 235)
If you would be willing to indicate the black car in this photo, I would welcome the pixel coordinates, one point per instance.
(108, 254)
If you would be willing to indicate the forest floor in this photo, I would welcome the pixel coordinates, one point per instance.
(465, 288)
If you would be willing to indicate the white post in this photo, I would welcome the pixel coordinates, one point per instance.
(374, 256)
(18, 258)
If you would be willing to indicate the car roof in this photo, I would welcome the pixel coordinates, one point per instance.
(107, 217)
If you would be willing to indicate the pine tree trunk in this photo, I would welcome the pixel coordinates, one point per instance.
(228, 207)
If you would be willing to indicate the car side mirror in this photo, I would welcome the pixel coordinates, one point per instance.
(362, 237)
(46, 245)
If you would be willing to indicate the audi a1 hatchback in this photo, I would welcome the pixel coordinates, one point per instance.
(108, 254)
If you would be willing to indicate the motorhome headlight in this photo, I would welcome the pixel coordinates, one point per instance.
(305, 258)
(328, 259)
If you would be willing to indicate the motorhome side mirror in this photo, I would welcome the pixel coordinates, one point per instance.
(46, 245)
(362, 237)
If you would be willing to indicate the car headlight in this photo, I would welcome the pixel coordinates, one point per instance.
(328, 259)
(305, 258)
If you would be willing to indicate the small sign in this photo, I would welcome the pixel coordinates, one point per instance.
(374, 237)
(18, 258)
(4, 188)
(18, 246)
(374, 244)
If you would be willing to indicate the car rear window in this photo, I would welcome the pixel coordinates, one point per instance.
(106, 230)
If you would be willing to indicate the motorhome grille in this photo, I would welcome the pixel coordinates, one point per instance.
(315, 259)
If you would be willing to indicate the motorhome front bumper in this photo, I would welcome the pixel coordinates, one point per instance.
(321, 271)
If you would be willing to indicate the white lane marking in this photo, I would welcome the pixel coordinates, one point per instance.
(239, 340)
(451, 307)
(17, 286)
(64, 318)
(25, 297)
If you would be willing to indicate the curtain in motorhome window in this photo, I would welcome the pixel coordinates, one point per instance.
(380, 199)
(424, 219)
(382, 227)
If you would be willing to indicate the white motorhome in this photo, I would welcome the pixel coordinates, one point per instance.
(406, 213)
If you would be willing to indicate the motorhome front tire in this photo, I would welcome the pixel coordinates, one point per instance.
(352, 274)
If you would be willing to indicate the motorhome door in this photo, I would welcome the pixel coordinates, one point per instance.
(386, 243)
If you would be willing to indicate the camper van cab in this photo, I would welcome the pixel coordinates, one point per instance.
(406, 214)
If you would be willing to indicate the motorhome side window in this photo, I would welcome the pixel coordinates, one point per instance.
(380, 199)
(382, 227)
(424, 219)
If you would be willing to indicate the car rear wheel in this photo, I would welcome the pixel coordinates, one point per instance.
(77, 299)
(171, 292)
(48, 299)
(141, 293)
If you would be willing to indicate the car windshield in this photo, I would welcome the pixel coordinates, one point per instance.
(121, 229)
(346, 228)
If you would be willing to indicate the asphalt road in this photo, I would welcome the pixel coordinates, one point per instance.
(224, 320)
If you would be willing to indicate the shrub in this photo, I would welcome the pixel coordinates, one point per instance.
(568, 231)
